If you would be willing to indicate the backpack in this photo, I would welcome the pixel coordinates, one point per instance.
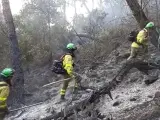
(132, 36)
(57, 67)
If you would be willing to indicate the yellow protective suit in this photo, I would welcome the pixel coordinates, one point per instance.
(68, 66)
(4, 92)
(141, 41)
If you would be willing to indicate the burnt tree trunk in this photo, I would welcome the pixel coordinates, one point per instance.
(83, 104)
(49, 32)
(138, 12)
(18, 81)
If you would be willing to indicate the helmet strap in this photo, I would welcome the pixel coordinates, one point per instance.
(9, 82)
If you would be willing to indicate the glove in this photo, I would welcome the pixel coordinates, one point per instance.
(73, 77)
(6, 110)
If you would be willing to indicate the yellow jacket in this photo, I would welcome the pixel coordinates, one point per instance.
(68, 64)
(141, 39)
(4, 92)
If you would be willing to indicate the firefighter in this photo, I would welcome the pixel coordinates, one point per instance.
(68, 65)
(141, 41)
(5, 83)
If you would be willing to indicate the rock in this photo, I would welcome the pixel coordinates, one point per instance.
(92, 74)
(133, 79)
(50, 110)
(138, 90)
(150, 79)
(104, 73)
(157, 98)
(148, 82)
(157, 95)
(150, 96)
(116, 103)
(133, 99)
(89, 90)
(98, 80)
(117, 97)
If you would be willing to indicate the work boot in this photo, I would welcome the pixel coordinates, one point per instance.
(62, 97)
(75, 90)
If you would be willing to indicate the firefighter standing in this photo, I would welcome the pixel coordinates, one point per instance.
(6, 76)
(68, 65)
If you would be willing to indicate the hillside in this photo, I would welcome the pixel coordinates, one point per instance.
(132, 98)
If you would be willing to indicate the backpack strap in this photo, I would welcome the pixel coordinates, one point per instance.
(1, 85)
(61, 58)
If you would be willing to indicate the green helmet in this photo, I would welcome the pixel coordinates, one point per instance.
(149, 25)
(7, 72)
(71, 46)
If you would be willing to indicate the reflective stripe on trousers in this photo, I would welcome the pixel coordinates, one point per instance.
(3, 102)
(62, 92)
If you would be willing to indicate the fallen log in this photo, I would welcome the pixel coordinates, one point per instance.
(82, 104)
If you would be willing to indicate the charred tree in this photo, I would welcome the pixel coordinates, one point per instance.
(83, 104)
(18, 82)
(138, 12)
